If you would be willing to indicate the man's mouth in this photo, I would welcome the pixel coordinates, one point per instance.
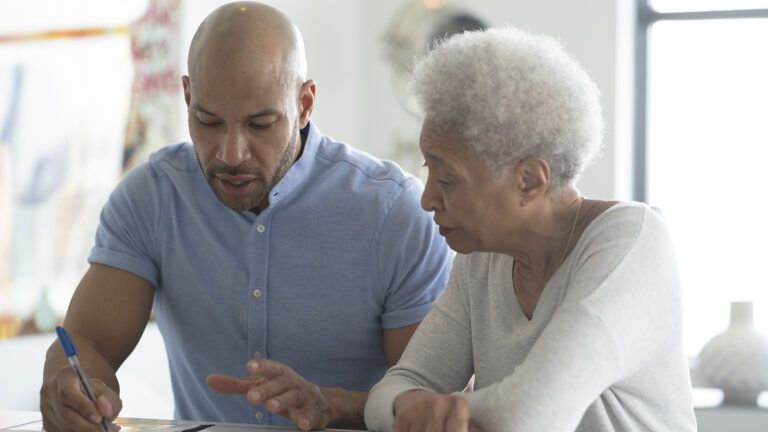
(235, 184)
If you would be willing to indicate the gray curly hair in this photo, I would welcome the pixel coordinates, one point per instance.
(510, 95)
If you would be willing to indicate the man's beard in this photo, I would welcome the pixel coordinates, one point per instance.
(262, 187)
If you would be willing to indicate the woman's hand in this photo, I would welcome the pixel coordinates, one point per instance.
(422, 410)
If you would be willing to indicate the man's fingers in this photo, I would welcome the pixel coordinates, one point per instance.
(268, 389)
(107, 401)
(267, 368)
(301, 420)
(72, 397)
(229, 384)
(288, 400)
(74, 421)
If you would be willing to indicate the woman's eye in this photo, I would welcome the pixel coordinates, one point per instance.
(443, 183)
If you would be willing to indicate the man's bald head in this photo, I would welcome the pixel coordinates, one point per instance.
(249, 36)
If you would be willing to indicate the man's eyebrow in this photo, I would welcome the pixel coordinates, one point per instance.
(199, 107)
(265, 113)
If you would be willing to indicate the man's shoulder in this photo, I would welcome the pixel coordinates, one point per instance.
(360, 165)
(162, 166)
(174, 157)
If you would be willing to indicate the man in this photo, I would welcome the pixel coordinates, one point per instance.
(295, 255)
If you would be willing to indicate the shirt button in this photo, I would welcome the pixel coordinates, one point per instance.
(257, 355)
(257, 293)
(260, 228)
(259, 415)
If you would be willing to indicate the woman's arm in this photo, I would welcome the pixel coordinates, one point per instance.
(438, 357)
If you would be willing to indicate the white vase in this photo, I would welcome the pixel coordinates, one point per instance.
(736, 360)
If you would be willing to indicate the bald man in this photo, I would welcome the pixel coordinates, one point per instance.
(286, 271)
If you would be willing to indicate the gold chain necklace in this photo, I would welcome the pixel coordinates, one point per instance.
(567, 244)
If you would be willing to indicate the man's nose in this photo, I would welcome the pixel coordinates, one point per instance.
(234, 150)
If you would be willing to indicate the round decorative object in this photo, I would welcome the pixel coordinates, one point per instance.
(416, 28)
(736, 360)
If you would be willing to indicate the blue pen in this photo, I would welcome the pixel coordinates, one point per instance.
(69, 350)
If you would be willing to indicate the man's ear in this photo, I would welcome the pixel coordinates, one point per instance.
(532, 176)
(185, 84)
(306, 102)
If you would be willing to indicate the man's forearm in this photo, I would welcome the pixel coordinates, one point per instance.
(345, 407)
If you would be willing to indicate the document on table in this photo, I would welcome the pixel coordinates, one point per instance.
(137, 425)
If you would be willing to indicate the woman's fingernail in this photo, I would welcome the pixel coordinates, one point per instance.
(253, 365)
(274, 404)
(255, 395)
(95, 418)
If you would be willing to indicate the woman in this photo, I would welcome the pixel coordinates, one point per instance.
(566, 309)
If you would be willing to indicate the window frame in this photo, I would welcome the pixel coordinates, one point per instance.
(646, 17)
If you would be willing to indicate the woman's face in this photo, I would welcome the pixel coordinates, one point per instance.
(472, 207)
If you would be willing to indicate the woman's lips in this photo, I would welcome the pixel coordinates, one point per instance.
(445, 231)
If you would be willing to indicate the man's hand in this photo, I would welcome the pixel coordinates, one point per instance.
(422, 410)
(281, 390)
(65, 406)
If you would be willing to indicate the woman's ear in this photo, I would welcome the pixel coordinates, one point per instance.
(533, 179)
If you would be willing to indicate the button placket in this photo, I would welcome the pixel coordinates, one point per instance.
(258, 305)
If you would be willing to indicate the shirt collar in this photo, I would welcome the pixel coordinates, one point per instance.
(301, 169)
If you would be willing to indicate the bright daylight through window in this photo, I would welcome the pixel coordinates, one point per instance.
(707, 151)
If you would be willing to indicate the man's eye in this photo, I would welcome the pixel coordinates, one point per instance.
(260, 125)
(443, 183)
(210, 123)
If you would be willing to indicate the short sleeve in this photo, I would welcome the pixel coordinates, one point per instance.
(126, 237)
(413, 260)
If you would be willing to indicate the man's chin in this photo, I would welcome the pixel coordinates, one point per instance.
(239, 204)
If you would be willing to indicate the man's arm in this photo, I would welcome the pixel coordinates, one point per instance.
(282, 391)
(106, 317)
(347, 406)
(395, 341)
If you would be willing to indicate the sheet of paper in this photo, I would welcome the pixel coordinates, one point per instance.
(138, 425)
(130, 427)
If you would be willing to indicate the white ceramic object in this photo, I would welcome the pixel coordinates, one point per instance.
(736, 360)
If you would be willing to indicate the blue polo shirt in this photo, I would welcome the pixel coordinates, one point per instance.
(343, 252)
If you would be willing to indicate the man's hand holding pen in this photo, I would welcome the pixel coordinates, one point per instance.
(65, 407)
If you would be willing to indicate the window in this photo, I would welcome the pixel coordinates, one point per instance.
(702, 149)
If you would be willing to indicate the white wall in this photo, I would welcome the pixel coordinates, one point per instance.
(356, 103)
(587, 28)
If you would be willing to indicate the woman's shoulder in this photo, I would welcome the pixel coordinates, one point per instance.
(623, 227)
(629, 217)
